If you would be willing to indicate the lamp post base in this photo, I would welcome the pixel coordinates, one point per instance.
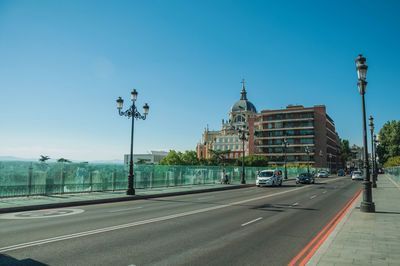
(374, 185)
(130, 191)
(367, 206)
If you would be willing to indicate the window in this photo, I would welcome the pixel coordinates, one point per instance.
(270, 125)
(306, 132)
(289, 116)
(278, 150)
(290, 132)
(278, 133)
(279, 117)
(306, 141)
(306, 115)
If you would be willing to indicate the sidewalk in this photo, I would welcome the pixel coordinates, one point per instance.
(15, 204)
(366, 238)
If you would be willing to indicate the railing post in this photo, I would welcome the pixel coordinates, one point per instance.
(62, 179)
(90, 180)
(113, 180)
(29, 184)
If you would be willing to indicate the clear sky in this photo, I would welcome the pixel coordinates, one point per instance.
(64, 63)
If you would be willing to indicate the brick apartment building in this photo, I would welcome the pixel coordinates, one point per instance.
(302, 127)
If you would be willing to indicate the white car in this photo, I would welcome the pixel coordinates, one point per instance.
(269, 178)
(357, 175)
(322, 174)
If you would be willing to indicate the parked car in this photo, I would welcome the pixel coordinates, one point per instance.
(341, 172)
(269, 178)
(305, 178)
(357, 175)
(322, 174)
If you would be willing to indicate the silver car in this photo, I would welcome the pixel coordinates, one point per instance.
(357, 175)
(323, 174)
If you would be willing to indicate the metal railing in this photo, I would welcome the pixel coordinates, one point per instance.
(394, 173)
(31, 178)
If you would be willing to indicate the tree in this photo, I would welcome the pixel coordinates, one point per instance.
(143, 161)
(393, 161)
(389, 141)
(190, 158)
(43, 158)
(62, 160)
(218, 157)
(173, 158)
(253, 160)
(345, 151)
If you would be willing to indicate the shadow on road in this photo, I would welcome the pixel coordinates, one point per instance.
(8, 260)
(279, 207)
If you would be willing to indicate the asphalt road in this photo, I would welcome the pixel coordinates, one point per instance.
(249, 226)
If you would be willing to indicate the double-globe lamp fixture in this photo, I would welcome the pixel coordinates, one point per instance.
(366, 205)
(134, 113)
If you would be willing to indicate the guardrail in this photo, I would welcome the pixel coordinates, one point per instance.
(31, 178)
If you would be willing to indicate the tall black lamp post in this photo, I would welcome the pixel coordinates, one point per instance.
(307, 149)
(285, 145)
(373, 151)
(243, 136)
(366, 205)
(134, 113)
(376, 165)
(330, 163)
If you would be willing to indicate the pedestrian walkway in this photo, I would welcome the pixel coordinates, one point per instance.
(366, 238)
(65, 200)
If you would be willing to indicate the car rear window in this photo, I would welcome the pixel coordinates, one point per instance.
(266, 174)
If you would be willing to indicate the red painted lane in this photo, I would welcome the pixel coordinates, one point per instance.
(338, 217)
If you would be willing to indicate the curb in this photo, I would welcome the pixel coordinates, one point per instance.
(119, 199)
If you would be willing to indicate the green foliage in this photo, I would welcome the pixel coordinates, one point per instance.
(218, 157)
(43, 158)
(389, 141)
(190, 158)
(253, 160)
(173, 158)
(63, 160)
(345, 151)
(142, 161)
(394, 161)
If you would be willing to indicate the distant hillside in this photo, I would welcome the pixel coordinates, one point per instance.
(12, 158)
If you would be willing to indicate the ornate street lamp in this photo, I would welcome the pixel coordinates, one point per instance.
(132, 112)
(330, 163)
(285, 145)
(366, 205)
(376, 165)
(373, 151)
(243, 136)
(307, 150)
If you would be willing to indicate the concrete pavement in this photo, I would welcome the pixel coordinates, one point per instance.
(366, 238)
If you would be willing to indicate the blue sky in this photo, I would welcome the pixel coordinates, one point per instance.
(64, 63)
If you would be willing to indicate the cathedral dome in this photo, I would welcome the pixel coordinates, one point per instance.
(243, 104)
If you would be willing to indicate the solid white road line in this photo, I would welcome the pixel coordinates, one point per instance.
(294, 204)
(252, 221)
(324, 192)
(121, 210)
(313, 196)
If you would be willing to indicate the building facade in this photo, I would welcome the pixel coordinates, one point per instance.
(304, 129)
(227, 138)
(154, 157)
